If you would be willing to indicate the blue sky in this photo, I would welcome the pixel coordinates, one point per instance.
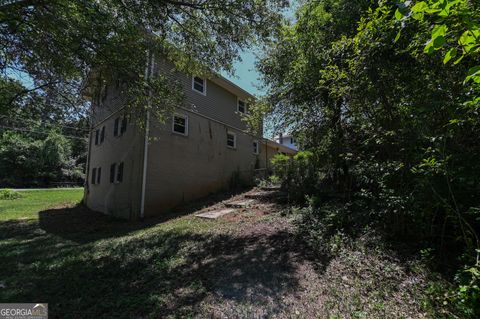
(246, 76)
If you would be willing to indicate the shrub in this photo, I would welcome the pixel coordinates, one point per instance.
(297, 174)
(9, 194)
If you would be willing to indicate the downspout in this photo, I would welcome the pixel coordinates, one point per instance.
(148, 74)
(86, 185)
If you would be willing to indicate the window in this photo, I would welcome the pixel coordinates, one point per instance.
(116, 126)
(94, 176)
(102, 135)
(116, 173)
(231, 140)
(255, 147)
(99, 175)
(112, 172)
(180, 124)
(122, 126)
(292, 140)
(120, 173)
(104, 93)
(97, 136)
(241, 106)
(199, 84)
(123, 129)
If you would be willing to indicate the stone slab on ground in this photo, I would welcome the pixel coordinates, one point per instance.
(214, 214)
(270, 188)
(241, 203)
(265, 194)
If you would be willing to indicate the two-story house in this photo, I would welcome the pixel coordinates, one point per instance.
(202, 148)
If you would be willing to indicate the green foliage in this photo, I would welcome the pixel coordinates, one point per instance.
(467, 294)
(8, 194)
(393, 131)
(298, 173)
(27, 161)
(102, 41)
(455, 29)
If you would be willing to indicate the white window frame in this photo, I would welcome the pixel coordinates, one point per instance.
(256, 150)
(244, 105)
(204, 93)
(184, 116)
(234, 147)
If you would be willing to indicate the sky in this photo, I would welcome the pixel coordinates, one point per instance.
(246, 76)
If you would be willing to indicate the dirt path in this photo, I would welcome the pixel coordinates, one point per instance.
(257, 267)
(247, 264)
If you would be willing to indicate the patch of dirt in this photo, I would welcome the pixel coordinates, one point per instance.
(277, 277)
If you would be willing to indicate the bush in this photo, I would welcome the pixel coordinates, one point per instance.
(297, 174)
(9, 194)
(28, 161)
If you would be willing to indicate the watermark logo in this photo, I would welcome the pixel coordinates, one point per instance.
(23, 311)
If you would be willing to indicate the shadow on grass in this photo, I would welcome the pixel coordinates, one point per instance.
(87, 265)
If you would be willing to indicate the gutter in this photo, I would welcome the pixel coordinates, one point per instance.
(148, 74)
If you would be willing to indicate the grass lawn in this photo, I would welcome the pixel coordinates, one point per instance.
(249, 264)
(35, 201)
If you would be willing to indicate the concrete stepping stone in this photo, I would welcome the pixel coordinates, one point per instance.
(214, 214)
(242, 203)
(265, 194)
(270, 188)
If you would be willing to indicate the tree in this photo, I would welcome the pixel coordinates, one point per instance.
(392, 128)
(58, 43)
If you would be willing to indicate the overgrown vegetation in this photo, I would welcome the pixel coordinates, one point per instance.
(248, 264)
(43, 137)
(26, 160)
(389, 126)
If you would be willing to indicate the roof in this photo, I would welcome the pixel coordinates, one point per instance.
(230, 86)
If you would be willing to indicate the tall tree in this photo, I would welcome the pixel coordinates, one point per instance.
(58, 42)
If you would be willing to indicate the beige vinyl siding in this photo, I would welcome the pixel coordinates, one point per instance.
(117, 199)
(218, 103)
(113, 103)
(183, 168)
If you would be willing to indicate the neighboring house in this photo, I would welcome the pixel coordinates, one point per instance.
(201, 149)
(287, 140)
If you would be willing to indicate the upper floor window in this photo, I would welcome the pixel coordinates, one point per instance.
(199, 84)
(93, 179)
(117, 129)
(116, 173)
(113, 169)
(99, 136)
(116, 126)
(255, 147)
(231, 140)
(99, 175)
(120, 173)
(102, 135)
(180, 124)
(96, 175)
(241, 106)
